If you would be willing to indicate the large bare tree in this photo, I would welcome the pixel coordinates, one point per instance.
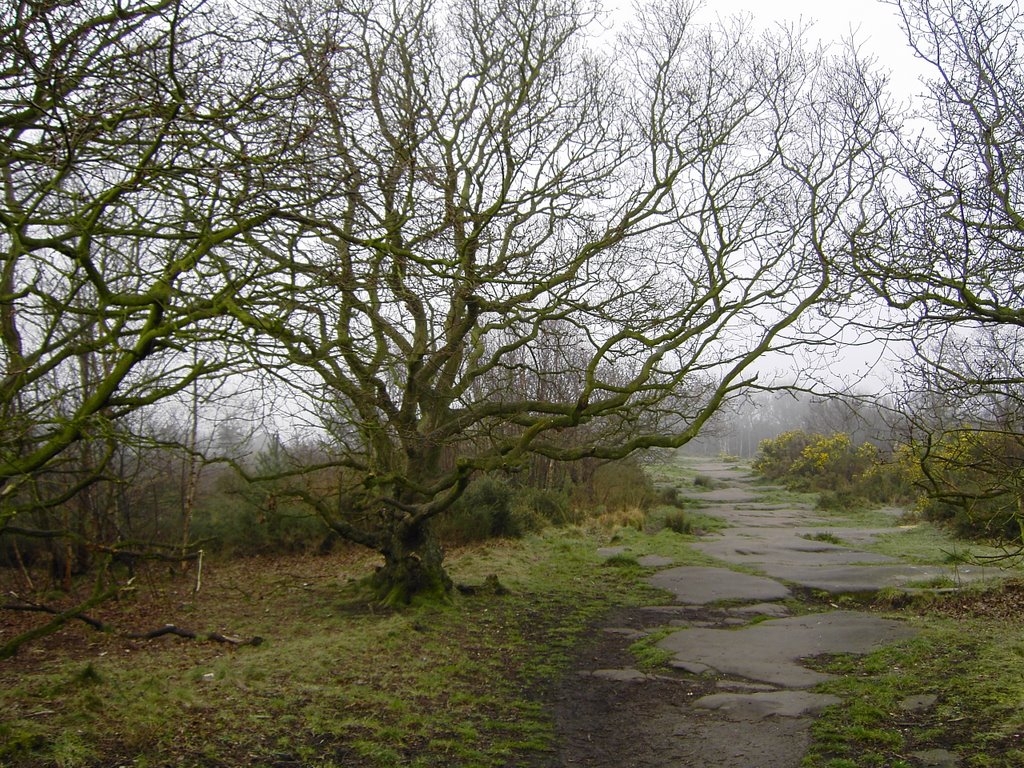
(954, 251)
(518, 231)
(952, 261)
(133, 153)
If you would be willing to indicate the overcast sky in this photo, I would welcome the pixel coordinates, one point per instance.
(873, 25)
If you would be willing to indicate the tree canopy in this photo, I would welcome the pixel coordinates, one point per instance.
(458, 237)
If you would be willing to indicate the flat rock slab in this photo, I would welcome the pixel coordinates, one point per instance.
(655, 561)
(695, 585)
(936, 758)
(851, 579)
(754, 546)
(728, 496)
(919, 703)
(746, 707)
(621, 675)
(771, 610)
(775, 742)
(770, 652)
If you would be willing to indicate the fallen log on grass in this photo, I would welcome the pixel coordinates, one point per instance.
(62, 617)
(28, 605)
(171, 629)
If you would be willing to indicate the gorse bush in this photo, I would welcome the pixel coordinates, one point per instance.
(975, 483)
(811, 461)
(484, 511)
(776, 456)
(851, 474)
(969, 479)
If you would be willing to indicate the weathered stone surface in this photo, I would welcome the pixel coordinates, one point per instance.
(621, 675)
(936, 758)
(771, 651)
(696, 585)
(693, 667)
(771, 610)
(743, 707)
(918, 703)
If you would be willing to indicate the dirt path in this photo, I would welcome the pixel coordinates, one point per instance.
(738, 694)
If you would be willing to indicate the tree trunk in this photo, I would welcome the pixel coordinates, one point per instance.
(412, 570)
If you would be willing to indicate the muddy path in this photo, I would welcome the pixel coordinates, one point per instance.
(738, 691)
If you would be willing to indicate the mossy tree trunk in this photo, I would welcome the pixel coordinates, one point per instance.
(413, 570)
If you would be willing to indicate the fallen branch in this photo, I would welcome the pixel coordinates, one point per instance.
(63, 617)
(28, 605)
(171, 629)
(60, 619)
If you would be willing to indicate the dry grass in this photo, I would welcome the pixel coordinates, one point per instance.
(628, 517)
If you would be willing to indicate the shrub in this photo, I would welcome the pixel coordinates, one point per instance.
(669, 496)
(895, 481)
(812, 461)
(536, 508)
(776, 456)
(483, 511)
(848, 475)
(242, 526)
(838, 501)
(617, 485)
(974, 483)
(678, 522)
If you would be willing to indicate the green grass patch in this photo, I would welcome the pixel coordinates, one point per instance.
(925, 543)
(335, 683)
(649, 657)
(974, 668)
(774, 494)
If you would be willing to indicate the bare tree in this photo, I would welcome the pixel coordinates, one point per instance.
(484, 179)
(954, 251)
(133, 154)
(951, 260)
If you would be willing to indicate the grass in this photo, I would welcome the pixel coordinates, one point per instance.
(974, 666)
(774, 494)
(334, 683)
(974, 669)
(924, 543)
(649, 657)
(465, 684)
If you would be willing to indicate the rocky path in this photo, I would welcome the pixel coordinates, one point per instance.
(740, 692)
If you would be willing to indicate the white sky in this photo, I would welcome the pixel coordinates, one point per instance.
(873, 25)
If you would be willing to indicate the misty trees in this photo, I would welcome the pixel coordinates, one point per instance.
(952, 259)
(455, 236)
(518, 241)
(133, 155)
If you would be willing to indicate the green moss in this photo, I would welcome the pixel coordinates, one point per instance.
(972, 667)
(648, 655)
